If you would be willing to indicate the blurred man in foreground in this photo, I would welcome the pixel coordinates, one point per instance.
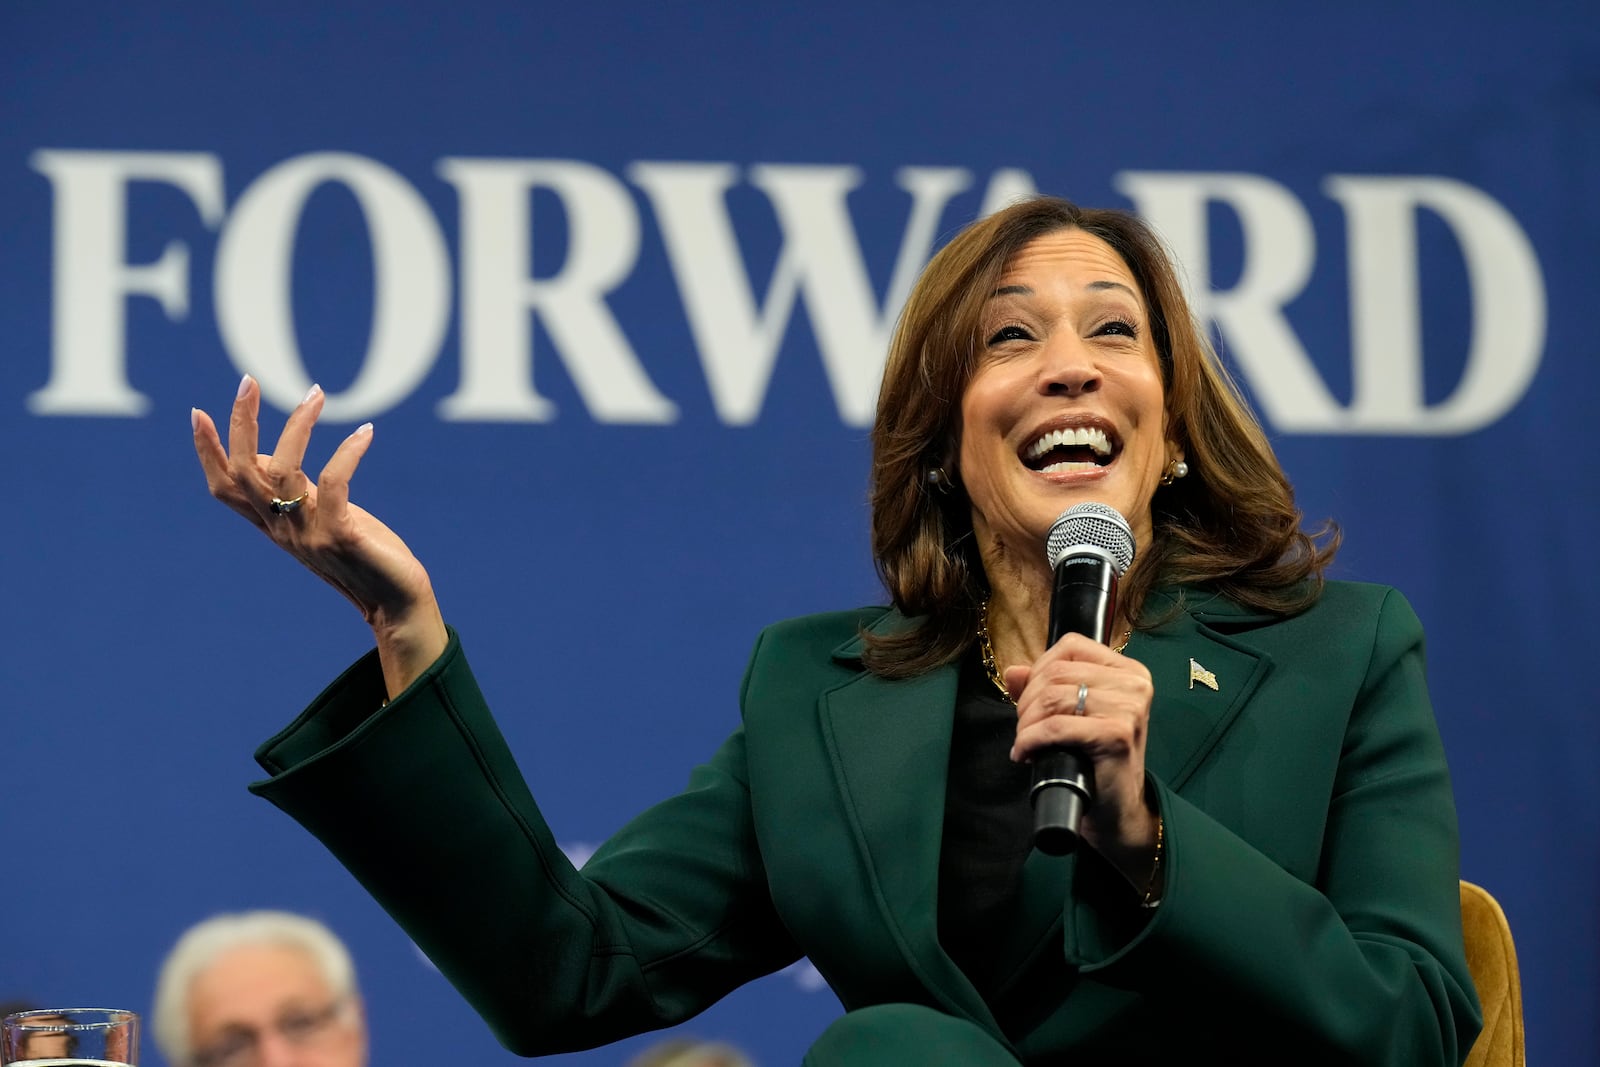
(259, 989)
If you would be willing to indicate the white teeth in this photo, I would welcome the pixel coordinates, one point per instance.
(1071, 436)
(1057, 467)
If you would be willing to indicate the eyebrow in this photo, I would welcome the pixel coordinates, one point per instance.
(1023, 290)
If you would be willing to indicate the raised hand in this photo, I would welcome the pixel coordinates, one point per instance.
(316, 523)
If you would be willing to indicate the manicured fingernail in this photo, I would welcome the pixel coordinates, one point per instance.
(313, 391)
(194, 419)
(365, 427)
(244, 385)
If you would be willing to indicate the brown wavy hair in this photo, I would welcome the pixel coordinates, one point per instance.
(1231, 524)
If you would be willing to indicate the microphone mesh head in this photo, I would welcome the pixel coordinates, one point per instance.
(1099, 525)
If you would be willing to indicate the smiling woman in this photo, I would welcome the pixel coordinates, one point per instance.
(1271, 857)
(975, 323)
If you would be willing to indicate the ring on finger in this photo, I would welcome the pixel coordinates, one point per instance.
(1083, 698)
(287, 507)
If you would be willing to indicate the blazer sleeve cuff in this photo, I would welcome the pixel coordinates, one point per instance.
(1105, 920)
(351, 706)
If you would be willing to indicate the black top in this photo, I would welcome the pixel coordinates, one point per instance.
(988, 827)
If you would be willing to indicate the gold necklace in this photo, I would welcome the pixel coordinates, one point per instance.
(986, 650)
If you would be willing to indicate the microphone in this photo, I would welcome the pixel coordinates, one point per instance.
(1090, 547)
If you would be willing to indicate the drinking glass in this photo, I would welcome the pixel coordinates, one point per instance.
(70, 1037)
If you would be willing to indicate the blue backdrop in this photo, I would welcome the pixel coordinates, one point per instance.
(614, 282)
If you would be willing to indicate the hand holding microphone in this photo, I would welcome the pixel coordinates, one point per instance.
(1082, 708)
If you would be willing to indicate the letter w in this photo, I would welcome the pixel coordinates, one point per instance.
(820, 256)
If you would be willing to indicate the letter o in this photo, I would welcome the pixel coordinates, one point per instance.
(411, 283)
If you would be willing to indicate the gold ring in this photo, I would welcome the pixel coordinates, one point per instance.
(286, 507)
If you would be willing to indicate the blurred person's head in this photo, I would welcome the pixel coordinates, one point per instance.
(45, 1044)
(259, 989)
(688, 1052)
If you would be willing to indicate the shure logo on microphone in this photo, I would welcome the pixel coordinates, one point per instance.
(738, 335)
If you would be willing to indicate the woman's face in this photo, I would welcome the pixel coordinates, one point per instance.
(1066, 404)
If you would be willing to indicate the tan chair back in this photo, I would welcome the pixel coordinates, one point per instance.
(1492, 958)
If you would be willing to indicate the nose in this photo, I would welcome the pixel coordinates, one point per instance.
(1067, 367)
(274, 1050)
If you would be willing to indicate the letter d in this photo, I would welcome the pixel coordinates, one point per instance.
(1505, 287)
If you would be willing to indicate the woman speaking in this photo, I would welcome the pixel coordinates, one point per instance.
(1269, 864)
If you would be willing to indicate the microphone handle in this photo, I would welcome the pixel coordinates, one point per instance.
(1083, 600)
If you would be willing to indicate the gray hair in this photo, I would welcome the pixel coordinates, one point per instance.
(202, 944)
(690, 1052)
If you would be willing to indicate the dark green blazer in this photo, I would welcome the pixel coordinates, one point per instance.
(1311, 911)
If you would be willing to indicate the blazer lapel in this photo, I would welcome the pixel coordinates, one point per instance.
(889, 744)
(1186, 657)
